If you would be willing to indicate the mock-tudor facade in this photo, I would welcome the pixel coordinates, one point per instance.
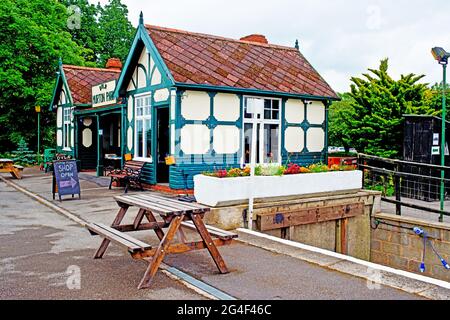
(185, 95)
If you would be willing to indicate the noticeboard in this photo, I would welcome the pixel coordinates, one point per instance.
(65, 178)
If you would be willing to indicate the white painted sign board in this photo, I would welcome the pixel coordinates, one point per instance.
(435, 151)
(435, 139)
(103, 94)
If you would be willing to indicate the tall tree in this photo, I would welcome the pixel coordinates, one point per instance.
(33, 37)
(376, 121)
(83, 26)
(116, 32)
(340, 114)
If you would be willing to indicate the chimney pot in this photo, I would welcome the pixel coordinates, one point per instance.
(258, 38)
(114, 64)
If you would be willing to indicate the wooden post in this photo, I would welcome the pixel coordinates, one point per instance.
(343, 232)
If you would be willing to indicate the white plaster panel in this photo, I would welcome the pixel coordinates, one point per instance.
(59, 117)
(62, 97)
(156, 77)
(316, 112)
(72, 137)
(87, 137)
(130, 139)
(143, 59)
(130, 109)
(226, 139)
(294, 111)
(131, 85)
(161, 95)
(226, 107)
(315, 139)
(195, 105)
(142, 78)
(152, 64)
(195, 139)
(294, 139)
(59, 138)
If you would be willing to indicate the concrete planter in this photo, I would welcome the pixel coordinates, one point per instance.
(217, 192)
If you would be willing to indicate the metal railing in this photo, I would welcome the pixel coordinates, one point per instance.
(406, 184)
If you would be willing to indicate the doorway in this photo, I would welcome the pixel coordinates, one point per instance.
(162, 146)
(87, 142)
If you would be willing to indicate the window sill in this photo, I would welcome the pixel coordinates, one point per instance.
(148, 160)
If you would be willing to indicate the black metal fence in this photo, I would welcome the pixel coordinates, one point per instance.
(405, 184)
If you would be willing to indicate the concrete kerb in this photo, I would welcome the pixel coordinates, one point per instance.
(403, 280)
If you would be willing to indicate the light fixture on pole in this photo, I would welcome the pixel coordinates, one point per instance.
(38, 111)
(442, 57)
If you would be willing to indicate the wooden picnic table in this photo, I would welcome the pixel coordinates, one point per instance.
(175, 215)
(7, 165)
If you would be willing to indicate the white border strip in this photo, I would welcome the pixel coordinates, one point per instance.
(440, 283)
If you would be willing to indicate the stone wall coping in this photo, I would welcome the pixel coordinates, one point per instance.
(413, 221)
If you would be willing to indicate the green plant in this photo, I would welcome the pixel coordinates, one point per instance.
(23, 155)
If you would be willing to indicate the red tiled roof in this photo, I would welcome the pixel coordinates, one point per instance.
(81, 80)
(195, 58)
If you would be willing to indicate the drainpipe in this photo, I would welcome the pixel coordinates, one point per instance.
(99, 165)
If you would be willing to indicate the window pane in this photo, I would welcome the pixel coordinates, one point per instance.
(267, 114)
(246, 115)
(248, 143)
(275, 115)
(271, 146)
(148, 138)
(275, 104)
(139, 138)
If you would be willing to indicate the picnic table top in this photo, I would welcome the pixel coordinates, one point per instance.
(6, 160)
(160, 204)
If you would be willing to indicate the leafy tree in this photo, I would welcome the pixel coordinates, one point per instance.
(338, 130)
(116, 32)
(83, 26)
(33, 37)
(434, 98)
(376, 121)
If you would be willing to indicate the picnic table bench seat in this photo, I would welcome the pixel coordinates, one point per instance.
(176, 215)
(133, 245)
(130, 174)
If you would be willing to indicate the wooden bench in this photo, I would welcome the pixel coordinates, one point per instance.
(130, 175)
(7, 165)
(176, 215)
(133, 245)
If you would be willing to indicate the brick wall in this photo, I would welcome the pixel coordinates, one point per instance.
(402, 249)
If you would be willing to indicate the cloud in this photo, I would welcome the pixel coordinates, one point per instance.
(341, 38)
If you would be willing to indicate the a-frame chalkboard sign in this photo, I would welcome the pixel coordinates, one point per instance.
(65, 179)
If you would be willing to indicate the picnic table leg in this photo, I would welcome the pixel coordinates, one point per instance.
(139, 218)
(160, 253)
(214, 252)
(105, 243)
(151, 218)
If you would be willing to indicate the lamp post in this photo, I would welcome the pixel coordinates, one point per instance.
(38, 111)
(442, 57)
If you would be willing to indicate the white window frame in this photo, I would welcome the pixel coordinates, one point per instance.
(142, 117)
(260, 133)
(67, 114)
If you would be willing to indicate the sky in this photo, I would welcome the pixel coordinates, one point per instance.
(340, 38)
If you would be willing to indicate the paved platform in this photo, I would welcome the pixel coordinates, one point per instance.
(259, 269)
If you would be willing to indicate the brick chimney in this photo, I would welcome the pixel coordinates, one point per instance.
(258, 38)
(114, 64)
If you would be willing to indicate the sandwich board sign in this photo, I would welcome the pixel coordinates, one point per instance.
(65, 178)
